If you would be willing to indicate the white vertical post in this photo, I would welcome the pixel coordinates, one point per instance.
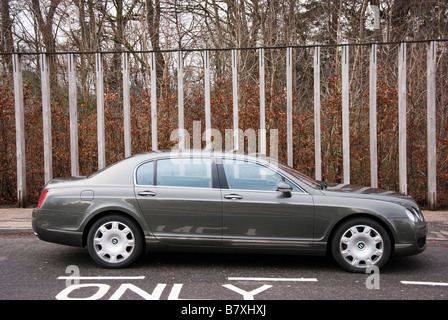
(154, 136)
(46, 115)
(73, 106)
(262, 133)
(402, 118)
(289, 106)
(235, 100)
(20, 131)
(208, 121)
(431, 123)
(180, 99)
(100, 112)
(372, 119)
(126, 106)
(317, 133)
(345, 116)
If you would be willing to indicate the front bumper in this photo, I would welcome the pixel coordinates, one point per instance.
(411, 238)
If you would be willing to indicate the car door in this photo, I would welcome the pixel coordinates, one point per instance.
(181, 200)
(256, 214)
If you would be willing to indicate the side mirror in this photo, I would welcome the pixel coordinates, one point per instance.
(323, 184)
(284, 188)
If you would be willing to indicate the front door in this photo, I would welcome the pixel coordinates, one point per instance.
(255, 214)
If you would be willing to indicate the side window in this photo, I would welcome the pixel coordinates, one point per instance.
(145, 174)
(185, 172)
(251, 176)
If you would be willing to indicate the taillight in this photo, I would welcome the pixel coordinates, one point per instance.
(42, 198)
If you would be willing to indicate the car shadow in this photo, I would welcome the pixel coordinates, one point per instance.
(210, 262)
(405, 265)
(236, 261)
(207, 262)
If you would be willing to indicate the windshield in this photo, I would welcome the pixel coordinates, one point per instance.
(304, 178)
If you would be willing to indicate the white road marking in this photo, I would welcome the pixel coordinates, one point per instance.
(271, 279)
(101, 278)
(424, 283)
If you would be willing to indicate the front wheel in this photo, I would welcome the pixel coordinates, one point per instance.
(360, 243)
(115, 241)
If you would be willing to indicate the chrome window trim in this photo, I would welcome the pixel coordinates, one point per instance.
(270, 167)
(218, 160)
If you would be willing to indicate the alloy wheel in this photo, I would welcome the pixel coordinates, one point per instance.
(361, 246)
(359, 243)
(115, 241)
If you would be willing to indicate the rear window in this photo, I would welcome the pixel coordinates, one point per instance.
(145, 174)
(185, 172)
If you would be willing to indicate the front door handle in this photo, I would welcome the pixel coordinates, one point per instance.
(233, 196)
(146, 193)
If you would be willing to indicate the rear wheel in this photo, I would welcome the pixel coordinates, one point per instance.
(115, 241)
(359, 243)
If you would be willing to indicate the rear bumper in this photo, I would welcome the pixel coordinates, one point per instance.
(65, 237)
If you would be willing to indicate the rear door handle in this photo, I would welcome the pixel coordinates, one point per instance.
(146, 193)
(233, 196)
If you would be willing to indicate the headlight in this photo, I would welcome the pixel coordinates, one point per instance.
(418, 214)
(411, 215)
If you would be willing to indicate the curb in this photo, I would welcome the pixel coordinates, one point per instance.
(16, 221)
(16, 231)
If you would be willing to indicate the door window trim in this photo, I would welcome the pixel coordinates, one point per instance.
(225, 185)
(214, 173)
(219, 178)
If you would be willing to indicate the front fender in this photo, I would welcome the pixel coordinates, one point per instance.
(329, 211)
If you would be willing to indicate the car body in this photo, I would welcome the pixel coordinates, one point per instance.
(225, 202)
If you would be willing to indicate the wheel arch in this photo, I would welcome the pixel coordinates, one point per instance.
(386, 227)
(104, 213)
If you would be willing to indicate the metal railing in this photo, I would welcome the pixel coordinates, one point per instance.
(344, 64)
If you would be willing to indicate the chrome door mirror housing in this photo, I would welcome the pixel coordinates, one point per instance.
(284, 188)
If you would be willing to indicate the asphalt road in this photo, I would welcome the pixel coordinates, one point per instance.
(31, 269)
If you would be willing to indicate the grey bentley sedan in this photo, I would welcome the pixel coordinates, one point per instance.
(225, 202)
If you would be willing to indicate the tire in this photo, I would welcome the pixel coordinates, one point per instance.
(115, 241)
(360, 243)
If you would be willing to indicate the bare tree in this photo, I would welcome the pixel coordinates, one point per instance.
(6, 39)
(46, 25)
(153, 19)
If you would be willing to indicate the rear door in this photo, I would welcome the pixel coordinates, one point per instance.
(181, 200)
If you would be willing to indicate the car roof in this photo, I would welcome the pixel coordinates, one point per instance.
(202, 153)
